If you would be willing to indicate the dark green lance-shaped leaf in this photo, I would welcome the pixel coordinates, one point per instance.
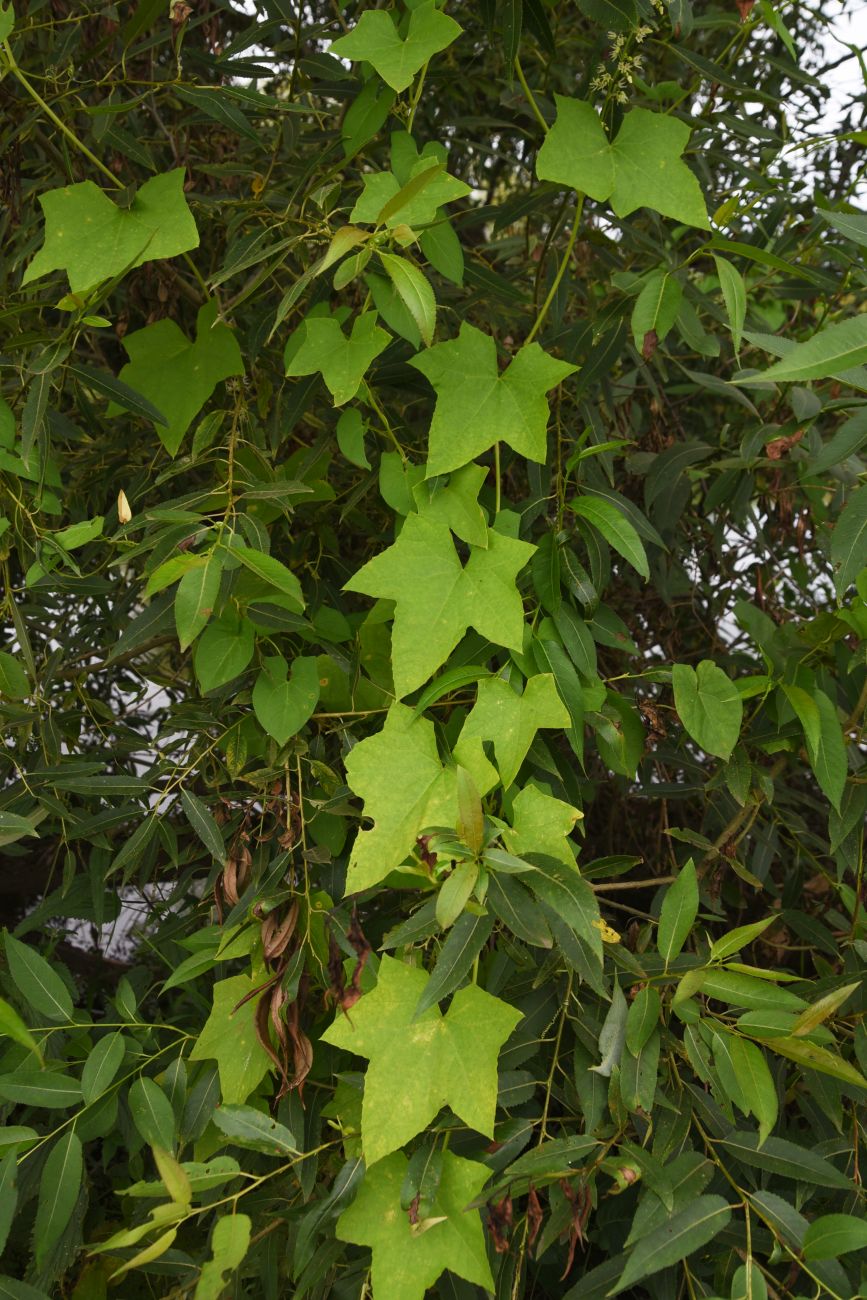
(832, 1235)
(202, 822)
(218, 108)
(375, 39)
(643, 1018)
(849, 540)
(561, 887)
(58, 1192)
(39, 984)
(101, 1066)
(709, 706)
(152, 1113)
(684, 1234)
(615, 528)
(12, 1026)
(12, 1289)
(40, 1088)
(734, 293)
(832, 351)
(270, 570)
(93, 240)
(477, 405)
(8, 1193)
(827, 750)
(738, 938)
(466, 940)
(178, 376)
(642, 167)
(196, 597)
(451, 1059)
(255, 1130)
(778, 1156)
(283, 703)
(122, 395)
(655, 310)
(679, 910)
(13, 679)
(230, 1242)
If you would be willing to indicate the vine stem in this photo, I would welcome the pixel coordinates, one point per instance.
(58, 122)
(531, 98)
(561, 271)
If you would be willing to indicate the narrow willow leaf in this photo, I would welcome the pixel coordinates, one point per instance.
(58, 1192)
(679, 910)
(818, 1058)
(39, 985)
(202, 822)
(643, 1018)
(152, 1113)
(738, 938)
(734, 293)
(832, 1235)
(455, 893)
(849, 540)
(683, 1235)
(254, 1130)
(12, 1026)
(196, 597)
(466, 940)
(820, 1010)
(8, 1194)
(832, 351)
(787, 1159)
(101, 1066)
(615, 528)
(176, 1182)
(415, 292)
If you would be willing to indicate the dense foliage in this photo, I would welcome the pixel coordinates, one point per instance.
(433, 541)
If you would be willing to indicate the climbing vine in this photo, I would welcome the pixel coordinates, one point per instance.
(434, 548)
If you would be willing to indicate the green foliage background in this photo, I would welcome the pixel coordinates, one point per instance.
(433, 540)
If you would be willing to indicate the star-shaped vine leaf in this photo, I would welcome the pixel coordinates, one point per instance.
(93, 240)
(455, 503)
(417, 1066)
(375, 40)
(229, 1038)
(640, 168)
(320, 344)
(406, 788)
(511, 720)
(437, 599)
(541, 824)
(477, 405)
(407, 1260)
(179, 376)
(407, 164)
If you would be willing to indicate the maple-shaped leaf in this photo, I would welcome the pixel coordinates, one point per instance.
(408, 1260)
(320, 344)
(640, 168)
(375, 40)
(417, 1066)
(511, 720)
(406, 788)
(437, 599)
(176, 375)
(229, 1038)
(455, 503)
(541, 824)
(93, 240)
(433, 185)
(477, 406)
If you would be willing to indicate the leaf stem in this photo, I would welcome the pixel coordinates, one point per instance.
(58, 122)
(531, 98)
(561, 271)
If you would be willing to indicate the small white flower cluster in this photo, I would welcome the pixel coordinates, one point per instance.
(625, 66)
